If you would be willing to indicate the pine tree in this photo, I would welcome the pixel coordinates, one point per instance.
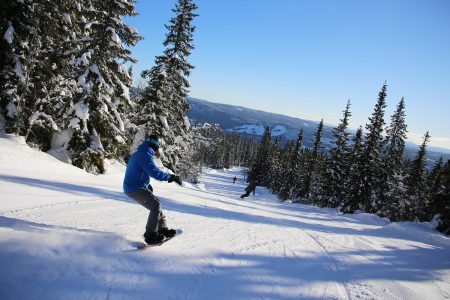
(260, 169)
(440, 196)
(163, 105)
(18, 34)
(33, 67)
(352, 184)
(320, 185)
(96, 116)
(435, 179)
(284, 181)
(50, 87)
(417, 203)
(275, 165)
(371, 166)
(312, 162)
(393, 190)
(294, 174)
(338, 162)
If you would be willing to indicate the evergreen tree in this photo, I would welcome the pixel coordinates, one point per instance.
(371, 166)
(51, 88)
(284, 181)
(352, 188)
(312, 162)
(416, 205)
(295, 172)
(275, 165)
(435, 179)
(17, 45)
(393, 173)
(163, 105)
(320, 185)
(338, 162)
(96, 116)
(440, 196)
(260, 169)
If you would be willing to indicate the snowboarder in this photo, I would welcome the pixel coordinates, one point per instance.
(234, 180)
(136, 185)
(251, 187)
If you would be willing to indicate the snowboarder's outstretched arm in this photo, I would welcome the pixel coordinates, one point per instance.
(149, 166)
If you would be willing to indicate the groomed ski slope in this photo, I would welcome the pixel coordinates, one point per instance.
(66, 234)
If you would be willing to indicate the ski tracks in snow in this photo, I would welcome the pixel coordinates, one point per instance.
(256, 248)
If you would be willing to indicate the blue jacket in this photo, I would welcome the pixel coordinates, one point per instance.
(140, 168)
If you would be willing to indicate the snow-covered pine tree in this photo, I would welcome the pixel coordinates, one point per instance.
(294, 171)
(17, 36)
(435, 184)
(163, 105)
(338, 163)
(33, 67)
(248, 152)
(440, 196)
(260, 169)
(352, 187)
(417, 201)
(275, 165)
(312, 162)
(435, 179)
(283, 181)
(393, 171)
(208, 141)
(371, 166)
(96, 117)
(320, 185)
(297, 170)
(50, 87)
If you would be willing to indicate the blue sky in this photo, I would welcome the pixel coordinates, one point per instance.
(307, 58)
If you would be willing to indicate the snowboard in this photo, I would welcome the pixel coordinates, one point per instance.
(142, 246)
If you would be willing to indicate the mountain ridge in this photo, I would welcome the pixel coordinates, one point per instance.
(252, 122)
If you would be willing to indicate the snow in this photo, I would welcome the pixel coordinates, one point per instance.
(164, 121)
(114, 37)
(67, 18)
(83, 60)
(278, 130)
(74, 123)
(67, 234)
(82, 112)
(258, 129)
(9, 33)
(36, 115)
(11, 109)
(18, 69)
(132, 29)
(123, 69)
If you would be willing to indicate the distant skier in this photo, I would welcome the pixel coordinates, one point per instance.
(234, 180)
(136, 185)
(251, 187)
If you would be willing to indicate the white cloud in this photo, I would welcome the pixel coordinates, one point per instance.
(434, 141)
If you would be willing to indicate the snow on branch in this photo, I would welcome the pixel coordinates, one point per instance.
(9, 34)
(36, 115)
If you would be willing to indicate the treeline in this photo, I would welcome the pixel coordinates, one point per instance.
(215, 148)
(362, 172)
(64, 80)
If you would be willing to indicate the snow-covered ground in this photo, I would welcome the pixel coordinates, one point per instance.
(66, 234)
(258, 129)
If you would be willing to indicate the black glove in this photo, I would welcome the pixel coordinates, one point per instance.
(175, 178)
